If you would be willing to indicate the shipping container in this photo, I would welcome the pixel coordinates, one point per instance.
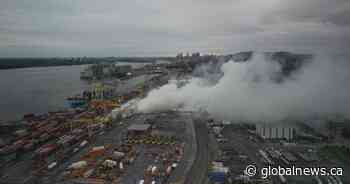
(217, 177)
(46, 150)
(9, 158)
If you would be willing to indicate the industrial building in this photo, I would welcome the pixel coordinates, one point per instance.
(138, 129)
(276, 131)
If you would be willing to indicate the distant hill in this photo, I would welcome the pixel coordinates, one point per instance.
(10, 63)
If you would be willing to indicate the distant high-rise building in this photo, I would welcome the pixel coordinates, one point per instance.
(196, 54)
(179, 56)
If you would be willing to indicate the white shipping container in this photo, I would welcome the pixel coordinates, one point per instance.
(97, 148)
(110, 163)
(88, 173)
(78, 165)
(84, 143)
(154, 170)
(52, 165)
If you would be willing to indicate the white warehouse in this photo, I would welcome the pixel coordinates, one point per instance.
(276, 131)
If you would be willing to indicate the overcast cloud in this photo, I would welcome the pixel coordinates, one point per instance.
(47, 28)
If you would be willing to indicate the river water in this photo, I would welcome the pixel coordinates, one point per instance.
(37, 90)
(42, 89)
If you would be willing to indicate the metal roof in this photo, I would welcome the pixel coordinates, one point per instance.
(139, 127)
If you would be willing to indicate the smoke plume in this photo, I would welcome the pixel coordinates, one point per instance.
(248, 91)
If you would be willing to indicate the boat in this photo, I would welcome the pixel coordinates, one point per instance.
(76, 101)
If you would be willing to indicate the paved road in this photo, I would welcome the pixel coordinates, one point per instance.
(190, 151)
(198, 172)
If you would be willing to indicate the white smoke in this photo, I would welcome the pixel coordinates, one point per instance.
(246, 92)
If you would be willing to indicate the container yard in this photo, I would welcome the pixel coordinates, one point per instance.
(99, 139)
(103, 138)
(98, 152)
(120, 156)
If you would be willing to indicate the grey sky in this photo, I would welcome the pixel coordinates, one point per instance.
(48, 28)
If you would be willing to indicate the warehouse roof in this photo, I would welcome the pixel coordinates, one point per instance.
(139, 127)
